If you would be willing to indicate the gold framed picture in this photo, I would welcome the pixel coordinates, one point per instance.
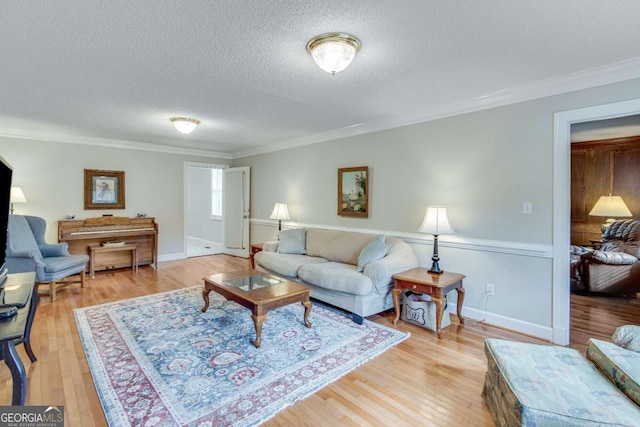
(103, 189)
(353, 191)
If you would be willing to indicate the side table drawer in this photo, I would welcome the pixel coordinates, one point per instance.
(416, 287)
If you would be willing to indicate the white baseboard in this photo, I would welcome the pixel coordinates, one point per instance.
(515, 325)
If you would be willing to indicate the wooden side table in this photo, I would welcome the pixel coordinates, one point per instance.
(436, 285)
(255, 248)
(96, 249)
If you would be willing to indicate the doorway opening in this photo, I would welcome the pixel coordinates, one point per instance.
(204, 222)
(605, 155)
(561, 204)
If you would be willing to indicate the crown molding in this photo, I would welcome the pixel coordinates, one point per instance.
(599, 76)
(111, 143)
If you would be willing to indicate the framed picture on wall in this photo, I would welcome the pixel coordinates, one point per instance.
(353, 191)
(103, 189)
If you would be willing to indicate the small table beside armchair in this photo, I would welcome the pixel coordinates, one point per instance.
(19, 291)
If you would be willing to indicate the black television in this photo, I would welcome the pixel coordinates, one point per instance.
(6, 172)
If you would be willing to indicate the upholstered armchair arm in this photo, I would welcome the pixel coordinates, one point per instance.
(54, 249)
(399, 258)
(611, 258)
(24, 262)
(627, 336)
(270, 246)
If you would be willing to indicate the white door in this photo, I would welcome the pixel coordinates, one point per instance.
(236, 211)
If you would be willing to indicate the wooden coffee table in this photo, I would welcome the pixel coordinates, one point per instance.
(259, 292)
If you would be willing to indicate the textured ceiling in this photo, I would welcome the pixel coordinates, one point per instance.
(115, 71)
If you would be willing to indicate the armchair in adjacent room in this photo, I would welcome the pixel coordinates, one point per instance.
(614, 268)
(27, 251)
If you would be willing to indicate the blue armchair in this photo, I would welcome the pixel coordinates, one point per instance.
(27, 251)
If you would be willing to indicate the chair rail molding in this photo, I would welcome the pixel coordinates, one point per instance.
(456, 242)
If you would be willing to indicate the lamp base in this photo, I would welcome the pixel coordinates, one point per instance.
(435, 269)
(435, 266)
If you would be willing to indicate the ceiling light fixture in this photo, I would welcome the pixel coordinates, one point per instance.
(184, 125)
(333, 52)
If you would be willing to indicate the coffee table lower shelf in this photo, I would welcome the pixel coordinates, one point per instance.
(259, 300)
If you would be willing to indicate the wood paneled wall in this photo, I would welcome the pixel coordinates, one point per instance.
(600, 168)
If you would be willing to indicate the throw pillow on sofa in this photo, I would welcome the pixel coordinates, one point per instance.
(627, 336)
(374, 251)
(292, 241)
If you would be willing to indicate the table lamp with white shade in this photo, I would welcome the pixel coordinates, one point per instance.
(611, 207)
(17, 196)
(436, 223)
(280, 212)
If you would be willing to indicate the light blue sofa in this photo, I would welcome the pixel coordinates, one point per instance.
(27, 251)
(545, 385)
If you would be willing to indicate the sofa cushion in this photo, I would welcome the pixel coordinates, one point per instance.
(58, 264)
(543, 385)
(623, 236)
(292, 241)
(611, 258)
(375, 250)
(336, 276)
(620, 365)
(627, 336)
(338, 246)
(284, 264)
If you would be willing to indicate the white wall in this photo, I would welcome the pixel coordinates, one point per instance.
(481, 165)
(52, 178)
(199, 222)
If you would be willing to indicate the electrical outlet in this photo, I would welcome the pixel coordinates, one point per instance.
(491, 289)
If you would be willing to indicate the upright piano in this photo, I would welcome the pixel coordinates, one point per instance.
(80, 233)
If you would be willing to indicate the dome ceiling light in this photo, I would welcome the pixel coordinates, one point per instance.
(184, 125)
(333, 52)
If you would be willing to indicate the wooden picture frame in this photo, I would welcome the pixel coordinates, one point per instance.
(103, 189)
(353, 191)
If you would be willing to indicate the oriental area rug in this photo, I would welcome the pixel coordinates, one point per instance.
(159, 361)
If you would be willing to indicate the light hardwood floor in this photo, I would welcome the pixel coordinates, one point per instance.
(421, 381)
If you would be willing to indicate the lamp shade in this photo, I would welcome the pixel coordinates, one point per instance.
(184, 125)
(280, 212)
(333, 52)
(436, 221)
(610, 206)
(17, 196)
